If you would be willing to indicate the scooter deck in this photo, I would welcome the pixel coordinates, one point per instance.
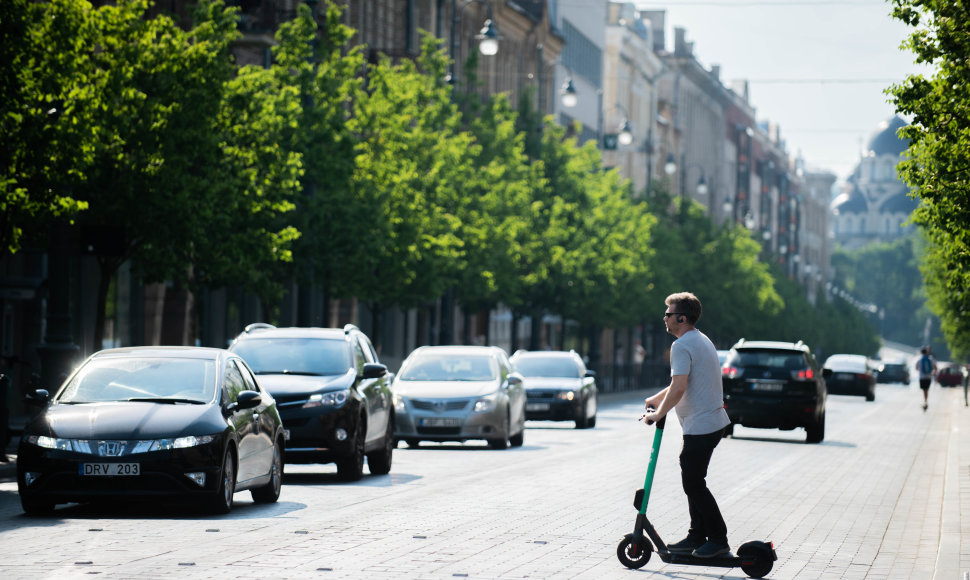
(722, 561)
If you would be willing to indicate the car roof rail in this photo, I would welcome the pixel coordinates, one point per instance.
(257, 326)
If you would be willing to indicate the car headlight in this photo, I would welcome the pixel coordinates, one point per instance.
(400, 405)
(331, 399)
(485, 404)
(178, 442)
(566, 395)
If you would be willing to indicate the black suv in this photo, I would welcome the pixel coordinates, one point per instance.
(332, 392)
(774, 385)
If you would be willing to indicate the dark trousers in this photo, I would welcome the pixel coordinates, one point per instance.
(705, 517)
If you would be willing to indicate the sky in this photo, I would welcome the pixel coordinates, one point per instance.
(817, 68)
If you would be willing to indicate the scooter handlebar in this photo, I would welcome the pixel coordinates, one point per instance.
(661, 422)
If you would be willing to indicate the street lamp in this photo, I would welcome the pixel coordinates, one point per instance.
(702, 185)
(626, 133)
(488, 39)
(568, 97)
(488, 36)
(670, 166)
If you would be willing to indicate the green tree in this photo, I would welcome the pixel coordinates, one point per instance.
(937, 165)
(47, 135)
(312, 61)
(589, 252)
(496, 195)
(164, 169)
(887, 275)
(410, 155)
(721, 265)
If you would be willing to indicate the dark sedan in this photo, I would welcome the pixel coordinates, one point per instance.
(153, 422)
(852, 374)
(893, 372)
(558, 387)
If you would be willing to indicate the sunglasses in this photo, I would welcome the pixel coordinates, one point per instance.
(666, 314)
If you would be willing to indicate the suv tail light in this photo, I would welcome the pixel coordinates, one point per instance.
(803, 375)
(729, 372)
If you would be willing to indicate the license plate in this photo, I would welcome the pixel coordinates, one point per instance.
(537, 406)
(844, 376)
(109, 469)
(766, 387)
(440, 422)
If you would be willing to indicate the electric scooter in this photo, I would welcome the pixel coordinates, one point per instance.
(755, 558)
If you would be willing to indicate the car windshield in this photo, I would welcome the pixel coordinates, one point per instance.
(449, 368)
(108, 379)
(773, 359)
(547, 367)
(296, 356)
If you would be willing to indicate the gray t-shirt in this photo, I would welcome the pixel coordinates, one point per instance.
(701, 410)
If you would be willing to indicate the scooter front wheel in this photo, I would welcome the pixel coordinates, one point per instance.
(632, 553)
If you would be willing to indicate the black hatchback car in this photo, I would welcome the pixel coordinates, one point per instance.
(774, 385)
(171, 423)
(333, 394)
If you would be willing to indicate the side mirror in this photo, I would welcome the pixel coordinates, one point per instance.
(247, 400)
(590, 373)
(38, 397)
(515, 379)
(374, 370)
(826, 373)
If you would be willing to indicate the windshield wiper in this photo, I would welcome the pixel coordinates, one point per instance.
(170, 400)
(289, 372)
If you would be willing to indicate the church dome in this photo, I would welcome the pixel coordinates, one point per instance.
(899, 203)
(851, 201)
(885, 141)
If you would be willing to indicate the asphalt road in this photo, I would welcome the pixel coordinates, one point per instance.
(886, 495)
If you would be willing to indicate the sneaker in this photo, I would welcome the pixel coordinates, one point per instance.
(711, 549)
(685, 546)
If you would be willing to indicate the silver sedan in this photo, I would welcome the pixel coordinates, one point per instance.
(458, 393)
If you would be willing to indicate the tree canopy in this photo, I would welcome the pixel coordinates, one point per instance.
(937, 164)
(377, 181)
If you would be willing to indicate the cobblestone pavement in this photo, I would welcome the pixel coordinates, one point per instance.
(886, 495)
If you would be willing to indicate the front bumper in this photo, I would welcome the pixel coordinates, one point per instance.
(319, 435)
(452, 421)
(56, 476)
(546, 409)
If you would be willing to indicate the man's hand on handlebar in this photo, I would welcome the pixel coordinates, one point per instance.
(650, 417)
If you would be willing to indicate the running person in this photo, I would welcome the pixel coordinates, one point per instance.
(926, 365)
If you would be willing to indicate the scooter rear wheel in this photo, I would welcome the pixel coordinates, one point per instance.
(632, 553)
(756, 559)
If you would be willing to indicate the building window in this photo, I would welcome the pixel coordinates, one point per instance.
(581, 55)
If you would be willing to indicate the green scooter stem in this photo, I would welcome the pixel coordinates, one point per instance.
(651, 468)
